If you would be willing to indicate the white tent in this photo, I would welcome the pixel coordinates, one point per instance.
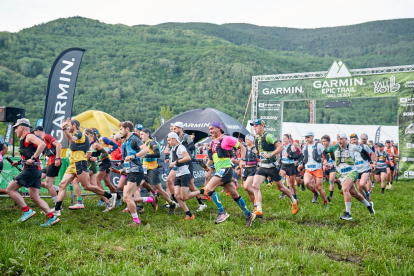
(297, 130)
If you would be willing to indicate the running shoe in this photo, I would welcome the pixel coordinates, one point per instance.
(257, 213)
(109, 208)
(346, 216)
(326, 206)
(187, 217)
(223, 190)
(382, 192)
(140, 209)
(173, 206)
(155, 204)
(126, 210)
(387, 187)
(165, 205)
(339, 186)
(270, 184)
(227, 193)
(222, 217)
(51, 221)
(134, 224)
(27, 215)
(118, 202)
(201, 207)
(100, 203)
(249, 219)
(329, 198)
(295, 208)
(77, 206)
(315, 197)
(282, 196)
(371, 208)
(112, 200)
(204, 197)
(373, 185)
(236, 184)
(56, 212)
(391, 187)
(303, 187)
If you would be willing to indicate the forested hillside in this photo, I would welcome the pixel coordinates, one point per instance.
(130, 72)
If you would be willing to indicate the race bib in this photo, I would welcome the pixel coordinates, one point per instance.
(345, 170)
(145, 169)
(243, 173)
(311, 166)
(220, 173)
(359, 163)
(127, 165)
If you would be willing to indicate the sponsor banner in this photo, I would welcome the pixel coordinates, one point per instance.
(271, 112)
(60, 92)
(406, 136)
(9, 130)
(378, 135)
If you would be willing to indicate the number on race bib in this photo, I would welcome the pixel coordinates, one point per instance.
(220, 173)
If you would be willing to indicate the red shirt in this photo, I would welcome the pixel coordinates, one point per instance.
(117, 154)
(49, 139)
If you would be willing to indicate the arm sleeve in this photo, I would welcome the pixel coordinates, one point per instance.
(366, 153)
(270, 139)
(190, 142)
(108, 141)
(156, 153)
(103, 152)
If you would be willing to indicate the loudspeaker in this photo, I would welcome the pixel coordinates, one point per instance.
(11, 114)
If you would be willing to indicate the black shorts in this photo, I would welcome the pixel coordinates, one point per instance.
(135, 177)
(104, 167)
(152, 177)
(248, 171)
(226, 174)
(29, 178)
(51, 170)
(379, 171)
(289, 169)
(328, 172)
(183, 180)
(273, 173)
(81, 166)
(367, 171)
(391, 168)
(92, 166)
(191, 169)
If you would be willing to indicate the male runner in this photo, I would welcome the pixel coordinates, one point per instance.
(53, 148)
(186, 141)
(312, 161)
(221, 151)
(250, 168)
(347, 173)
(3, 151)
(289, 163)
(268, 149)
(383, 159)
(179, 162)
(329, 167)
(393, 155)
(30, 149)
(79, 145)
(132, 150)
(364, 141)
(363, 165)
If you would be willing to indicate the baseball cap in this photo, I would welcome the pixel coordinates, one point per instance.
(380, 145)
(364, 136)
(178, 124)
(387, 141)
(23, 122)
(309, 133)
(258, 122)
(40, 128)
(217, 125)
(173, 135)
(250, 137)
(138, 126)
(342, 135)
(146, 130)
(353, 135)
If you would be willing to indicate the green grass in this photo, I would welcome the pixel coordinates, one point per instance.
(313, 242)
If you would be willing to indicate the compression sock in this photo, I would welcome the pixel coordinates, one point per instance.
(54, 199)
(58, 205)
(295, 196)
(147, 199)
(79, 201)
(365, 202)
(118, 195)
(200, 201)
(173, 198)
(348, 207)
(107, 195)
(188, 213)
(330, 193)
(135, 217)
(382, 189)
(242, 204)
(25, 208)
(215, 197)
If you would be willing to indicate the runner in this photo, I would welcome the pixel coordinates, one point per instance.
(3, 151)
(220, 151)
(383, 159)
(393, 155)
(312, 162)
(53, 148)
(395, 160)
(79, 145)
(364, 141)
(186, 141)
(345, 166)
(179, 162)
(363, 164)
(150, 165)
(250, 168)
(30, 149)
(132, 150)
(268, 149)
(329, 167)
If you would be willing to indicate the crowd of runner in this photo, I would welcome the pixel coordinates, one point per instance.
(353, 163)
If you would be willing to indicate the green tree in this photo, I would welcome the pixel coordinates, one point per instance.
(165, 112)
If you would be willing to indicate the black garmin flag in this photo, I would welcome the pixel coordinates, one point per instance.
(60, 92)
(377, 135)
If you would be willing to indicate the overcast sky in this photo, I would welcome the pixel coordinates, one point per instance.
(18, 14)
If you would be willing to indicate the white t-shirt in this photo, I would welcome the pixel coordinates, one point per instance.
(361, 164)
(312, 165)
(182, 170)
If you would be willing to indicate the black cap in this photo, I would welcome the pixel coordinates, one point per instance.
(146, 130)
(380, 145)
(387, 141)
(40, 128)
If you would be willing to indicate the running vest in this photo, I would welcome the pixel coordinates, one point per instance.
(80, 146)
(221, 153)
(251, 158)
(381, 158)
(128, 150)
(27, 150)
(174, 157)
(287, 155)
(151, 151)
(262, 143)
(316, 156)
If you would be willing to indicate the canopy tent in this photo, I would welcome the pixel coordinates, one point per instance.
(206, 140)
(299, 129)
(197, 121)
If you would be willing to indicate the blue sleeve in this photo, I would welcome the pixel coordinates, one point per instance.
(108, 141)
(78, 134)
